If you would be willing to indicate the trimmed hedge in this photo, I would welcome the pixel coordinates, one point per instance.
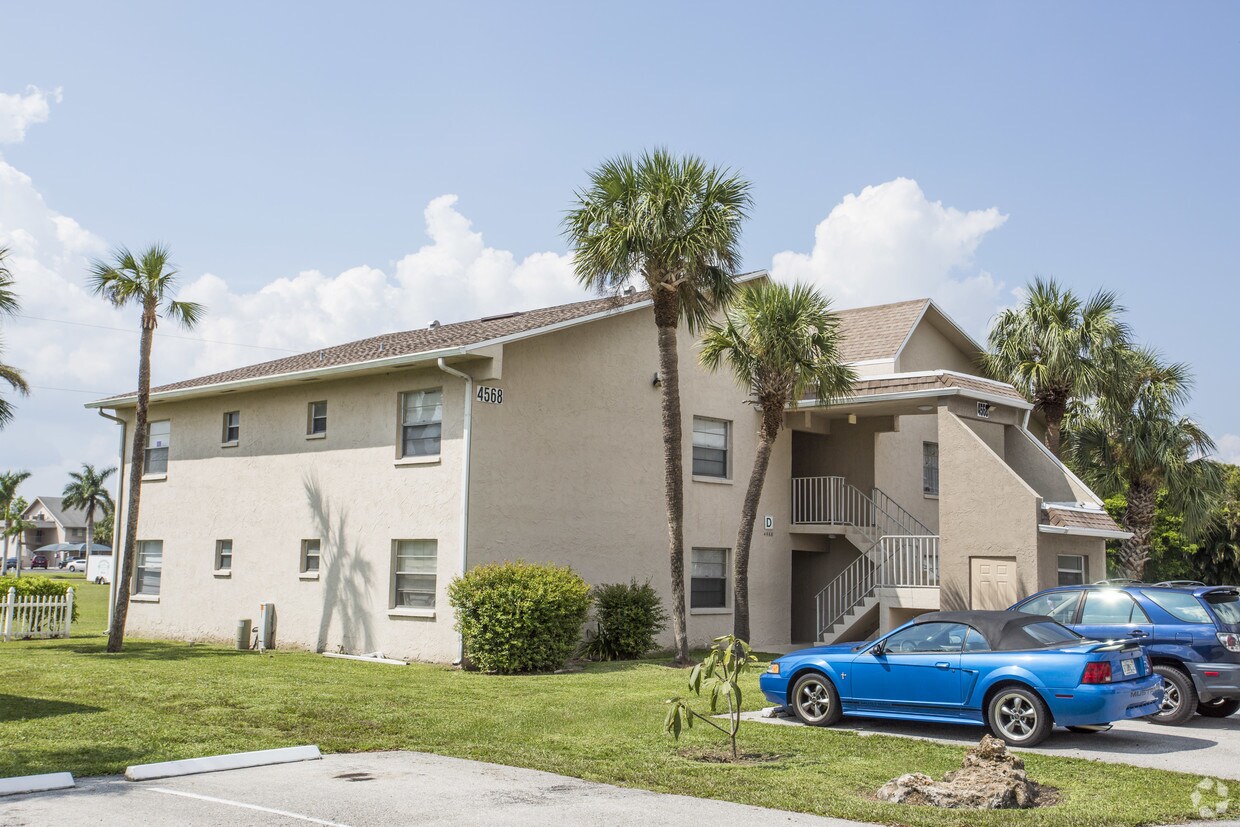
(37, 587)
(519, 617)
(628, 617)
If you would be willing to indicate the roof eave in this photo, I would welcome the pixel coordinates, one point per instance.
(1077, 531)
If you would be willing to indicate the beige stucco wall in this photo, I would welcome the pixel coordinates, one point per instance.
(277, 488)
(928, 349)
(897, 466)
(1042, 473)
(1050, 546)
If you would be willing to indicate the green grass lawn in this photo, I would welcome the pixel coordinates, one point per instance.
(67, 705)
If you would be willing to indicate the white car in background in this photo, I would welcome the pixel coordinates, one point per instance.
(76, 564)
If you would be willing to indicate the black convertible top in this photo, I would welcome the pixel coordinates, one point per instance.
(1004, 631)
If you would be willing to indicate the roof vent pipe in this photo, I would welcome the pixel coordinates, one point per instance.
(630, 290)
(434, 324)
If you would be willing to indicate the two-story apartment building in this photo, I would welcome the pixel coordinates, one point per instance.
(52, 523)
(349, 485)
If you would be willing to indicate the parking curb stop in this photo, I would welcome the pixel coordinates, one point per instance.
(36, 783)
(217, 763)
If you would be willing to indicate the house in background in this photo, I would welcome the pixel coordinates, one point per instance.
(349, 485)
(54, 522)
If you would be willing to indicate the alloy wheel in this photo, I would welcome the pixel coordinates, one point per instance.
(1171, 699)
(1017, 718)
(813, 700)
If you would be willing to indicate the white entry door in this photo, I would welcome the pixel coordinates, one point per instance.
(992, 582)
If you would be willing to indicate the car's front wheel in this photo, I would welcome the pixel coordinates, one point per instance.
(1018, 716)
(1218, 708)
(1179, 697)
(815, 701)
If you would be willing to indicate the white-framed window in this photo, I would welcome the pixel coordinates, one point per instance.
(414, 566)
(711, 442)
(708, 582)
(316, 418)
(420, 422)
(158, 441)
(1072, 570)
(930, 468)
(223, 555)
(310, 556)
(148, 565)
(232, 428)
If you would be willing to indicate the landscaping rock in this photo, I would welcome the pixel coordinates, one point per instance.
(990, 778)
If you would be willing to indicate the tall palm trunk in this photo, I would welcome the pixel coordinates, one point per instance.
(1053, 408)
(666, 317)
(1134, 552)
(137, 462)
(90, 535)
(772, 419)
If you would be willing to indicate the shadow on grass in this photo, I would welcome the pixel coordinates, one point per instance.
(21, 708)
(154, 650)
(92, 759)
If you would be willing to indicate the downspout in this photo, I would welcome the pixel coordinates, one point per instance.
(467, 429)
(120, 498)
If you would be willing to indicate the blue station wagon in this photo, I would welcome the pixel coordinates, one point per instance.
(1017, 674)
(1190, 633)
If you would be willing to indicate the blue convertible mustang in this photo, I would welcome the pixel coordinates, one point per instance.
(1017, 674)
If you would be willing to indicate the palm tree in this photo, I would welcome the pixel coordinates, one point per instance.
(1056, 349)
(781, 343)
(88, 491)
(149, 281)
(9, 305)
(9, 481)
(673, 224)
(17, 526)
(1134, 440)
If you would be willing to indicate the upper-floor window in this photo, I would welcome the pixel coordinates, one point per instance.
(310, 550)
(930, 468)
(710, 447)
(148, 567)
(232, 428)
(316, 418)
(158, 440)
(420, 423)
(708, 582)
(1071, 570)
(414, 567)
(223, 555)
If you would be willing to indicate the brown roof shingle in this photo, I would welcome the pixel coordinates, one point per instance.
(1076, 518)
(939, 380)
(877, 332)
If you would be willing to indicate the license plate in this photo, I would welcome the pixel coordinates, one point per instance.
(1129, 667)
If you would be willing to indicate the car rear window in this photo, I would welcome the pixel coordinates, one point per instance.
(1226, 605)
(1052, 634)
(1183, 606)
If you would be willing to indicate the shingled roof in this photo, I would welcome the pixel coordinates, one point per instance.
(1064, 516)
(877, 332)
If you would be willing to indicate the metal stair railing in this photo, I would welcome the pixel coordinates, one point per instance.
(905, 560)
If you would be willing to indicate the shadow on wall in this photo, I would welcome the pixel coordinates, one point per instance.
(345, 574)
(952, 598)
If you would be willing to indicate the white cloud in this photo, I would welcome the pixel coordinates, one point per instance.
(890, 243)
(1229, 448)
(18, 112)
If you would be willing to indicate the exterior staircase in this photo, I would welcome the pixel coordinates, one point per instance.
(897, 550)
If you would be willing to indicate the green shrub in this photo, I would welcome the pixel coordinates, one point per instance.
(37, 587)
(628, 618)
(519, 617)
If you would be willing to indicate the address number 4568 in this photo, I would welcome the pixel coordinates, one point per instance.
(493, 396)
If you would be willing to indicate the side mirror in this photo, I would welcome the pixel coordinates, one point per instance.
(878, 650)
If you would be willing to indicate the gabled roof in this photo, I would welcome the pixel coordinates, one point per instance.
(878, 332)
(1075, 518)
(59, 512)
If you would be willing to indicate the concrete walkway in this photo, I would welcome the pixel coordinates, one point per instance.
(381, 788)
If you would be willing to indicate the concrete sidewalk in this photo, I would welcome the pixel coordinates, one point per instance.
(373, 789)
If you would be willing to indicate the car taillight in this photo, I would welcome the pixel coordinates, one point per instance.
(1230, 640)
(1099, 672)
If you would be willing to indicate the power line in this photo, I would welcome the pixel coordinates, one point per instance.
(70, 390)
(164, 335)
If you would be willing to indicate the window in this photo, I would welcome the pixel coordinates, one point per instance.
(147, 566)
(309, 556)
(1052, 634)
(1183, 606)
(974, 642)
(413, 574)
(421, 415)
(930, 468)
(232, 427)
(709, 579)
(1111, 608)
(1071, 570)
(1060, 606)
(710, 447)
(316, 420)
(158, 440)
(924, 638)
(223, 555)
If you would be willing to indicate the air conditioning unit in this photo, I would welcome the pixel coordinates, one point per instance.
(266, 626)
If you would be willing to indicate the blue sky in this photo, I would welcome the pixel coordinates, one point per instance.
(1091, 142)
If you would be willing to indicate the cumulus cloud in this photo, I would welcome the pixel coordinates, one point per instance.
(890, 242)
(1229, 448)
(19, 111)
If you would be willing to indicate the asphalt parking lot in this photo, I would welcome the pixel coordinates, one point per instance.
(1203, 746)
(374, 789)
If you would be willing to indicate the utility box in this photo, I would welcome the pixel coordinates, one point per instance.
(266, 626)
(244, 628)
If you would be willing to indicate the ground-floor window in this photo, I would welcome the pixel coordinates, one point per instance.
(709, 580)
(309, 556)
(223, 555)
(414, 566)
(1071, 570)
(930, 469)
(148, 565)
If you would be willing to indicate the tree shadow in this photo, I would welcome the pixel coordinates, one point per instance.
(21, 708)
(345, 573)
(153, 650)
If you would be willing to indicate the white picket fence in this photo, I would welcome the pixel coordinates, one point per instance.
(36, 617)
